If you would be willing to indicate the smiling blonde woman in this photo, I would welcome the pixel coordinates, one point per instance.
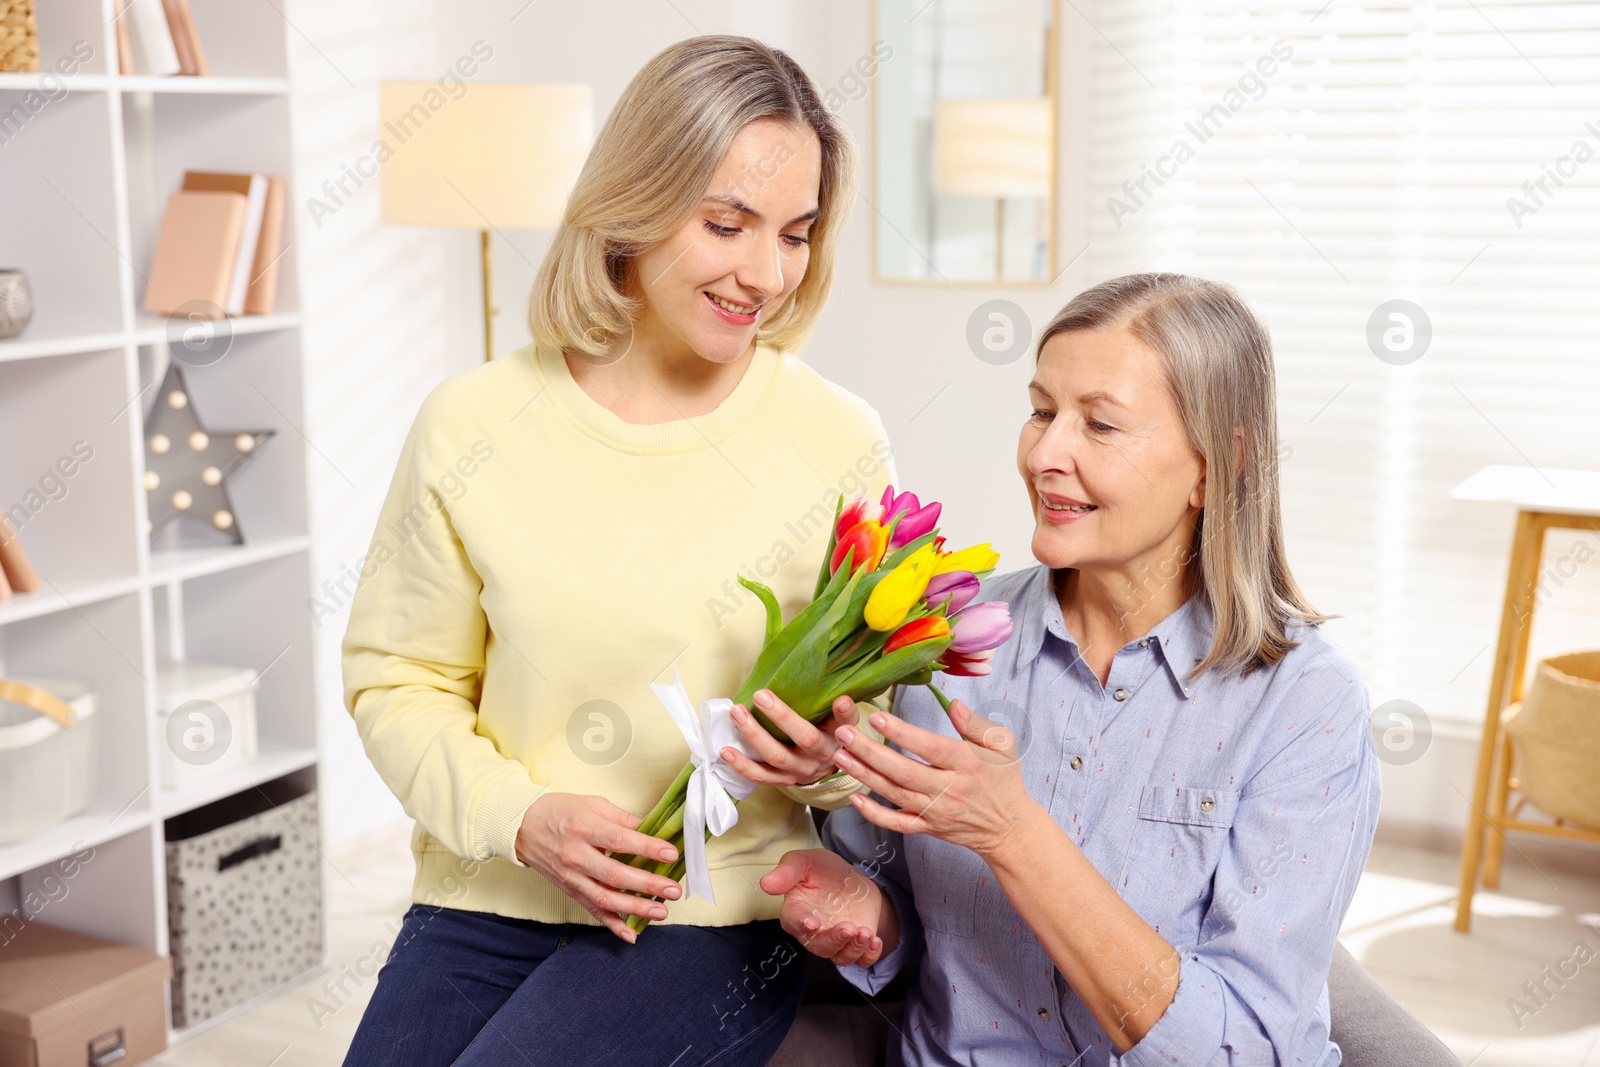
(561, 532)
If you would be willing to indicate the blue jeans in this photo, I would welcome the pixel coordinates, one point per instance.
(470, 988)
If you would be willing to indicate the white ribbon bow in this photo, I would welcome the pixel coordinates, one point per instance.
(714, 786)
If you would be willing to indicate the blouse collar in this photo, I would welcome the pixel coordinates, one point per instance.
(1181, 639)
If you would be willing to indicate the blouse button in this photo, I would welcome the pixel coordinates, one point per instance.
(1144, 642)
(1120, 694)
(1206, 804)
(1043, 1014)
(1077, 762)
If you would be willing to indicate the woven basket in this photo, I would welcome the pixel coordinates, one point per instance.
(1555, 738)
(19, 36)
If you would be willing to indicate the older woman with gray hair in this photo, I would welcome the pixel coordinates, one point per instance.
(1134, 841)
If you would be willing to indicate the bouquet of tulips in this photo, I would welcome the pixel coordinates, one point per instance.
(891, 606)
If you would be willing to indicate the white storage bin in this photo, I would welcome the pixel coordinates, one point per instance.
(207, 718)
(46, 770)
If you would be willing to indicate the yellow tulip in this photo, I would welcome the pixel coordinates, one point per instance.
(977, 558)
(900, 590)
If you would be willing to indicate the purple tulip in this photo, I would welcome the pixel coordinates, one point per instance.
(981, 626)
(917, 518)
(955, 587)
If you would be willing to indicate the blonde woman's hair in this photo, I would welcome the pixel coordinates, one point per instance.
(1217, 356)
(649, 169)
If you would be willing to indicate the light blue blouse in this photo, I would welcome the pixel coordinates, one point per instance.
(1234, 814)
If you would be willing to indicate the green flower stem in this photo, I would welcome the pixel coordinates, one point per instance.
(675, 808)
(669, 831)
(673, 795)
(672, 828)
(944, 701)
(674, 871)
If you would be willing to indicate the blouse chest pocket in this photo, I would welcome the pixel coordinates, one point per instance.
(945, 877)
(1176, 845)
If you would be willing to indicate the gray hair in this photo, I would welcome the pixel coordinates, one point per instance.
(1217, 356)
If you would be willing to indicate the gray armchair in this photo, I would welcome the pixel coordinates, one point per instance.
(840, 1026)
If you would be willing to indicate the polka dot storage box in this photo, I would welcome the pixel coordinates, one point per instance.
(244, 896)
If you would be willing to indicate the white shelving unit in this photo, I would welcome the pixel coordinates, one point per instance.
(83, 182)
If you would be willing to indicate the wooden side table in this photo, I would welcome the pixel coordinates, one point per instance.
(1545, 499)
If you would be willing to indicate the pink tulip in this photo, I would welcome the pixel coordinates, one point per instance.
(917, 519)
(981, 626)
(955, 589)
(856, 510)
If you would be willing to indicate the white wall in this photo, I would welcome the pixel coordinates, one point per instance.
(387, 313)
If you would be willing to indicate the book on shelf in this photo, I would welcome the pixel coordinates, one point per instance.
(16, 571)
(158, 37)
(219, 244)
(262, 293)
(191, 56)
(253, 187)
(149, 37)
(195, 253)
(124, 42)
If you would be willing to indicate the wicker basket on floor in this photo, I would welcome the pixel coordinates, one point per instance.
(19, 36)
(1555, 738)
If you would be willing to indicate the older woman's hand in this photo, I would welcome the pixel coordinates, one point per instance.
(969, 792)
(831, 908)
(809, 758)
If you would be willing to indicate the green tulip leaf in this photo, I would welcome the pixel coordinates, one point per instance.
(768, 598)
(877, 675)
(780, 648)
(898, 556)
(833, 542)
(802, 670)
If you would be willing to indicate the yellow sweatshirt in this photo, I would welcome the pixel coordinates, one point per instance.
(539, 562)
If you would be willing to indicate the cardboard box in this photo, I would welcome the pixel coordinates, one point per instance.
(68, 999)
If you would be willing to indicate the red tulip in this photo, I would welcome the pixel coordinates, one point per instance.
(927, 628)
(870, 539)
(961, 665)
(856, 510)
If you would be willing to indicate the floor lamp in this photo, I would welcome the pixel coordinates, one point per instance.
(993, 148)
(495, 157)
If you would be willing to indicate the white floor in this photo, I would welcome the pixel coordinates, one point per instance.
(1399, 926)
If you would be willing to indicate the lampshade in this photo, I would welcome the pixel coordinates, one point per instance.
(993, 147)
(497, 156)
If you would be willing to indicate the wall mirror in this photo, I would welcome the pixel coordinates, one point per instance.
(964, 140)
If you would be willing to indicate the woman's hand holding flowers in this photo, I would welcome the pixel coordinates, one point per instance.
(564, 836)
(808, 759)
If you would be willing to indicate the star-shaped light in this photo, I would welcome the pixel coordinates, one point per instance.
(186, 466)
